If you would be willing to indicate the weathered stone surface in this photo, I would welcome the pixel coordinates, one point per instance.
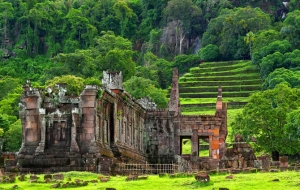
(58, 176)
(202, 177)
(283, 161)
(90, 133)
(132, 177)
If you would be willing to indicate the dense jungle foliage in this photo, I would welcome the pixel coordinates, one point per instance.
(75, 40)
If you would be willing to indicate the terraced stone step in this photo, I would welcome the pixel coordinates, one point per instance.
(217, 83)
(199, 88)
(211, 100)
(213, 105)
(223, 68)
(208, 95)
(198, 73)
(219, 64)
(215, 88)
(212, 109)
(246, 76)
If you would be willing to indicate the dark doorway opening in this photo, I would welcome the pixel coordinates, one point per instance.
(111, 124)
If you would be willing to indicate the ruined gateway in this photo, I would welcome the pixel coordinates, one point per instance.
(93, 132)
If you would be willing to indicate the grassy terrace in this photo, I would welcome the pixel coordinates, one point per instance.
(199, 88)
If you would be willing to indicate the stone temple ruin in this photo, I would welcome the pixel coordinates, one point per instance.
(106, 126)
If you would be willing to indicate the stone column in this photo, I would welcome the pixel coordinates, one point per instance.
(75, 121)
(177, 141)
(42, 123)
(195, 143)
(88, 108)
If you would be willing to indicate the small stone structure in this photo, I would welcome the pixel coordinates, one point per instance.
(240, 156)
(94, 131)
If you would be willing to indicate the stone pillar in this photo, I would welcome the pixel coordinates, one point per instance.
(177, 138)
(32, 129)
(195, 143)
(88, 106)
(41, 147)
(75, 121)
(174, 103)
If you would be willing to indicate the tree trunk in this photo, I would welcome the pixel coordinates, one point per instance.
(4, 28)
(176, 37)
(181, 40)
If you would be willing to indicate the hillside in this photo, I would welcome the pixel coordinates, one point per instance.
(199, 88)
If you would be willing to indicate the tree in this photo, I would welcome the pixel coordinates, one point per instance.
(156, 69)
(264, 38)
(81, 29)
(123, 12)
(185, 62)
(292, 132)
(139, 87)
(209, 53)
(250, 36)
(183, 12)
(265, 116)
(226, 30)
(78, 63)
(276, 46)
(74, 84)
(4, 123)
(114, 53)
(291, 28)
(294, 5)
(6, 13)
(13, 137)
(9, 104)
(292, 78)
(270, 63)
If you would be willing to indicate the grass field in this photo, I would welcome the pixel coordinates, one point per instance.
(289, 180)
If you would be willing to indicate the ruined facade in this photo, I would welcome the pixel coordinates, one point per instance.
(105, 126)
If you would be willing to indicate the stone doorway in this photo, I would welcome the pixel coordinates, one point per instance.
(204, 146)
(185, 145)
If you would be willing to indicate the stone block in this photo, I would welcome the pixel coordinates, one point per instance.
(258, 164)
(282, 169)
(202, 177)
(236, 171)
(283, 161)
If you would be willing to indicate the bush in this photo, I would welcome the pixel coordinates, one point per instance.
(209, 53)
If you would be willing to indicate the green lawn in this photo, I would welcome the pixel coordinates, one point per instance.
(256, 181)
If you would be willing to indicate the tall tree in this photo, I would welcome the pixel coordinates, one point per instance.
(124, 13)
(182, 12)
(226, 31)
(250, 36)
(265, 116)
(6, 13)
(139, 87)
(291, 28)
